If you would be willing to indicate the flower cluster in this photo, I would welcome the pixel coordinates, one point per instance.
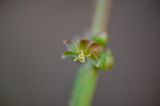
(83, 50)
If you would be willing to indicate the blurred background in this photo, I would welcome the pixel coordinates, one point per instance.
(33, 74)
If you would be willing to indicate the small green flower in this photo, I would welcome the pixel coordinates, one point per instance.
(83, 49)
(93, 50)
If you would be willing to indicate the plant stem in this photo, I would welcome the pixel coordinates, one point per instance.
(87, 75)
(84, 86)
(101, 16)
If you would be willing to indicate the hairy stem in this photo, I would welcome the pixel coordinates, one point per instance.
(87, 75)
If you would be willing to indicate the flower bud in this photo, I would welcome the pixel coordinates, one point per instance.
(106, 60)
(101, 38)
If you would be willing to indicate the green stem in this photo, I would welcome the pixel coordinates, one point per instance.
(84, 86)
(101, 16)
(87, 75)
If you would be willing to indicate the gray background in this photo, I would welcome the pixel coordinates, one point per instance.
(31, 34)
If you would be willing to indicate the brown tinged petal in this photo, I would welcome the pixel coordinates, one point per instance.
(95, 48)
(83, 43)
(70, 45)
(67, 41)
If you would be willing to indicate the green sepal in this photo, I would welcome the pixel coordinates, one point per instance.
(70, 53)
(106, 60)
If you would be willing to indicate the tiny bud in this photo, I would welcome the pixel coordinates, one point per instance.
(106, 60)
(101, 38)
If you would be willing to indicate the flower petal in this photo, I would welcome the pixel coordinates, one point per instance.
(70, 45)
(94, 48)
(83, 43)
(101, 38)
(94, 60)
(106, 60)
